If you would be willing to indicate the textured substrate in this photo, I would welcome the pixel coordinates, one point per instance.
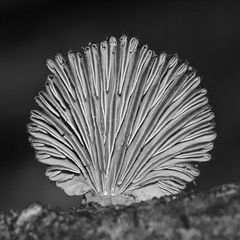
(211, 215)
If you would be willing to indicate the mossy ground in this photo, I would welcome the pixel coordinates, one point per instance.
(214, 214)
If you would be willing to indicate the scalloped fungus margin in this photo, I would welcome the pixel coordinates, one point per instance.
(120, 124)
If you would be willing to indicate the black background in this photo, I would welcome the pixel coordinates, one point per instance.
(207, 34)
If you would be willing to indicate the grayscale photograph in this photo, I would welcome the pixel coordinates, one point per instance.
(119, 120)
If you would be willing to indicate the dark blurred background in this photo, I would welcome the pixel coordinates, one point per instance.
(206, 33)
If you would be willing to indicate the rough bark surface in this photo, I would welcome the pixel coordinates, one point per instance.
(214, 214)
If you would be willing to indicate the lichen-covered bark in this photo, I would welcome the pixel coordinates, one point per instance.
(211, 215)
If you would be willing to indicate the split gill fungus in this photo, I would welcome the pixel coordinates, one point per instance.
(120, 124)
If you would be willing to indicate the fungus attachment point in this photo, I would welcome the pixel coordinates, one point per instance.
(121, 124)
